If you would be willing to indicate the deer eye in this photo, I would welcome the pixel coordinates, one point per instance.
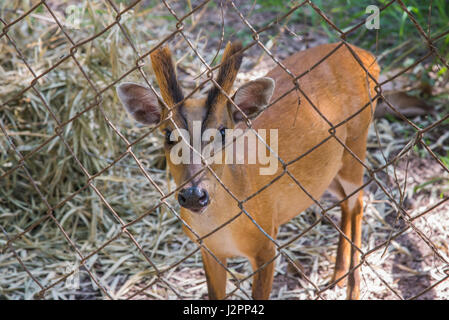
(223, 134)
(167, 137)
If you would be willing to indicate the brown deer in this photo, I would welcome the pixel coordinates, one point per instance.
(335, 90)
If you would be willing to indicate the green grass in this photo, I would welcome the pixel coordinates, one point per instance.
(395, 25)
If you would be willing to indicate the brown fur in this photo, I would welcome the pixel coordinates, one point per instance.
(338, 87)
(228, 70)
(166, 76)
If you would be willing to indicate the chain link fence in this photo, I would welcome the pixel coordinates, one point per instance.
(21, 227)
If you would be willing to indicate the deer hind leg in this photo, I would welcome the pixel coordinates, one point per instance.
(215, 275)
(263, 279)
(347, 182)
(343, 259)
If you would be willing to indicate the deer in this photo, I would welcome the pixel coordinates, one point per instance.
(322, 139)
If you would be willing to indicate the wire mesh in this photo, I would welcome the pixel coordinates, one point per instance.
(160, 274)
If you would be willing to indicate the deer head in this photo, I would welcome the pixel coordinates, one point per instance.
(193, 119)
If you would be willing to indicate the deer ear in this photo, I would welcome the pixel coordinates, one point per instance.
(252, 97)
(140, 102)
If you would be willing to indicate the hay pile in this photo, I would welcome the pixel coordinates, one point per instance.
(54, 169)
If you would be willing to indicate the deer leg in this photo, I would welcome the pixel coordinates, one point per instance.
(351, 226)
(347, 182)
(344, 247)
(353, 292)
(263, 279)
(215, 275)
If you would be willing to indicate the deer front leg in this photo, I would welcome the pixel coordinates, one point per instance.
(263, 279)
(215, 275)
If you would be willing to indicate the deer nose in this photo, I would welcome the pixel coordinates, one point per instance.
(193, 198)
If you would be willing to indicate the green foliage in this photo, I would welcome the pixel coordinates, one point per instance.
(396, 26)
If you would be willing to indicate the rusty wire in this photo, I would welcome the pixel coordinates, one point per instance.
(405, 215)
